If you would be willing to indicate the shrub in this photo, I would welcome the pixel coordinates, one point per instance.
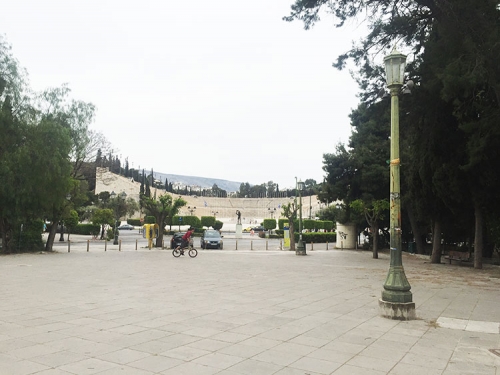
(134, 222)
(317, 237)
(90, 229)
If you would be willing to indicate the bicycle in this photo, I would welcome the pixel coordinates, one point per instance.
(192, 252)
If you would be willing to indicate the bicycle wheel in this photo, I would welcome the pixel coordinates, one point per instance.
(176, 253)
(193, 253)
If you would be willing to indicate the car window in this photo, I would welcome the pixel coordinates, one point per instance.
(212, 234)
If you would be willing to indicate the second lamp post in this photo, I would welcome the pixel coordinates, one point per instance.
(301, 247)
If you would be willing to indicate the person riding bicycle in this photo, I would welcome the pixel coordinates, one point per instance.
(186, 238)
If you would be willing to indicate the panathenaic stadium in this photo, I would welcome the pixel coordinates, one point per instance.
(253, 210)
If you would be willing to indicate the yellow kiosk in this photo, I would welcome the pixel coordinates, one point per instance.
(150, 232)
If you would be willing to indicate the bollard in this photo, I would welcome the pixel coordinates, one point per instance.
(251, 245)
(136, 243)
(105, 245)
(281, 245)
(327, 245)
(312, 246)
(266, 244)
(120, 245)
(69, 245)
(163, 244)
(342, 245)
(236, 245)
(88, 245)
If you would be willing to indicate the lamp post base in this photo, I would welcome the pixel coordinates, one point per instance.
(397, 310)
(300, 249)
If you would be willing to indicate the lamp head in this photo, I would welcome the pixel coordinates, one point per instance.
(395, 64)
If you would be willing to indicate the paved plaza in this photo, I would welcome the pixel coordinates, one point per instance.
(236, 312)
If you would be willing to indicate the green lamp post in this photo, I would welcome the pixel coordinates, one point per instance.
(396, 301)
(301, 247)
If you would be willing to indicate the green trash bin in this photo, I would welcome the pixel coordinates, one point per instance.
(411, 247)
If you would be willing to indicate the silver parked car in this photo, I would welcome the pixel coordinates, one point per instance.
(211, 239)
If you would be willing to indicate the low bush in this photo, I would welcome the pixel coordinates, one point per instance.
(86, 229)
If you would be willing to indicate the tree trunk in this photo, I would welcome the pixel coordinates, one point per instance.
(417, 233)
(159, 239)
(478, 239)
(374, 229)
(436, 243)
(51, 237)
(292, 236)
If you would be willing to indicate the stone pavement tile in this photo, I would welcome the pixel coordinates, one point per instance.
(245, 318)
(76, 330)
(185, 353)
(203, 332)
(55, 327)
(102, 336)
(82, 346)
(371, 363)
(209, 344)
(354, 370)
(359, 337)
(293, 348)
(24, 332)
(474, 354)
(261, 342)
(379, 324)
(155, 363)
(251, 329)
(175, 327)
(279, 333)
(11, 344)
(28, 352)
(59, 358)
(452, 323)
(154, 347)
(468, 368)
(277, 358)
(5, 328)
(88, 366)
(53, 371)
(425, 348)
(425, 361)
(253, 367)
(309, 341)
(400, 338)
(484, 340)
(21, 368)
(316, 365)
(45, 337)
(123, 356)
(189, 368)
(125, 370)
(331, 355)
(295, 313)
(295, 371)
(179, 339)
(218, 360)
(345, 347)
(128, 329)
(150, 334)
(410, 369)
(486, 327)
(231, 337)
(241, 350)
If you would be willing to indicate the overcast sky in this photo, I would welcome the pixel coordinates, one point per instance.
(211, 88)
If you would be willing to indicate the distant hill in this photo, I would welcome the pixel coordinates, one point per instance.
(203, 182)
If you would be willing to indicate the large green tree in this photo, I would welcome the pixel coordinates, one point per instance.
(163, 209)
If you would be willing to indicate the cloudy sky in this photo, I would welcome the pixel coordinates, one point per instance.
(222, 88)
